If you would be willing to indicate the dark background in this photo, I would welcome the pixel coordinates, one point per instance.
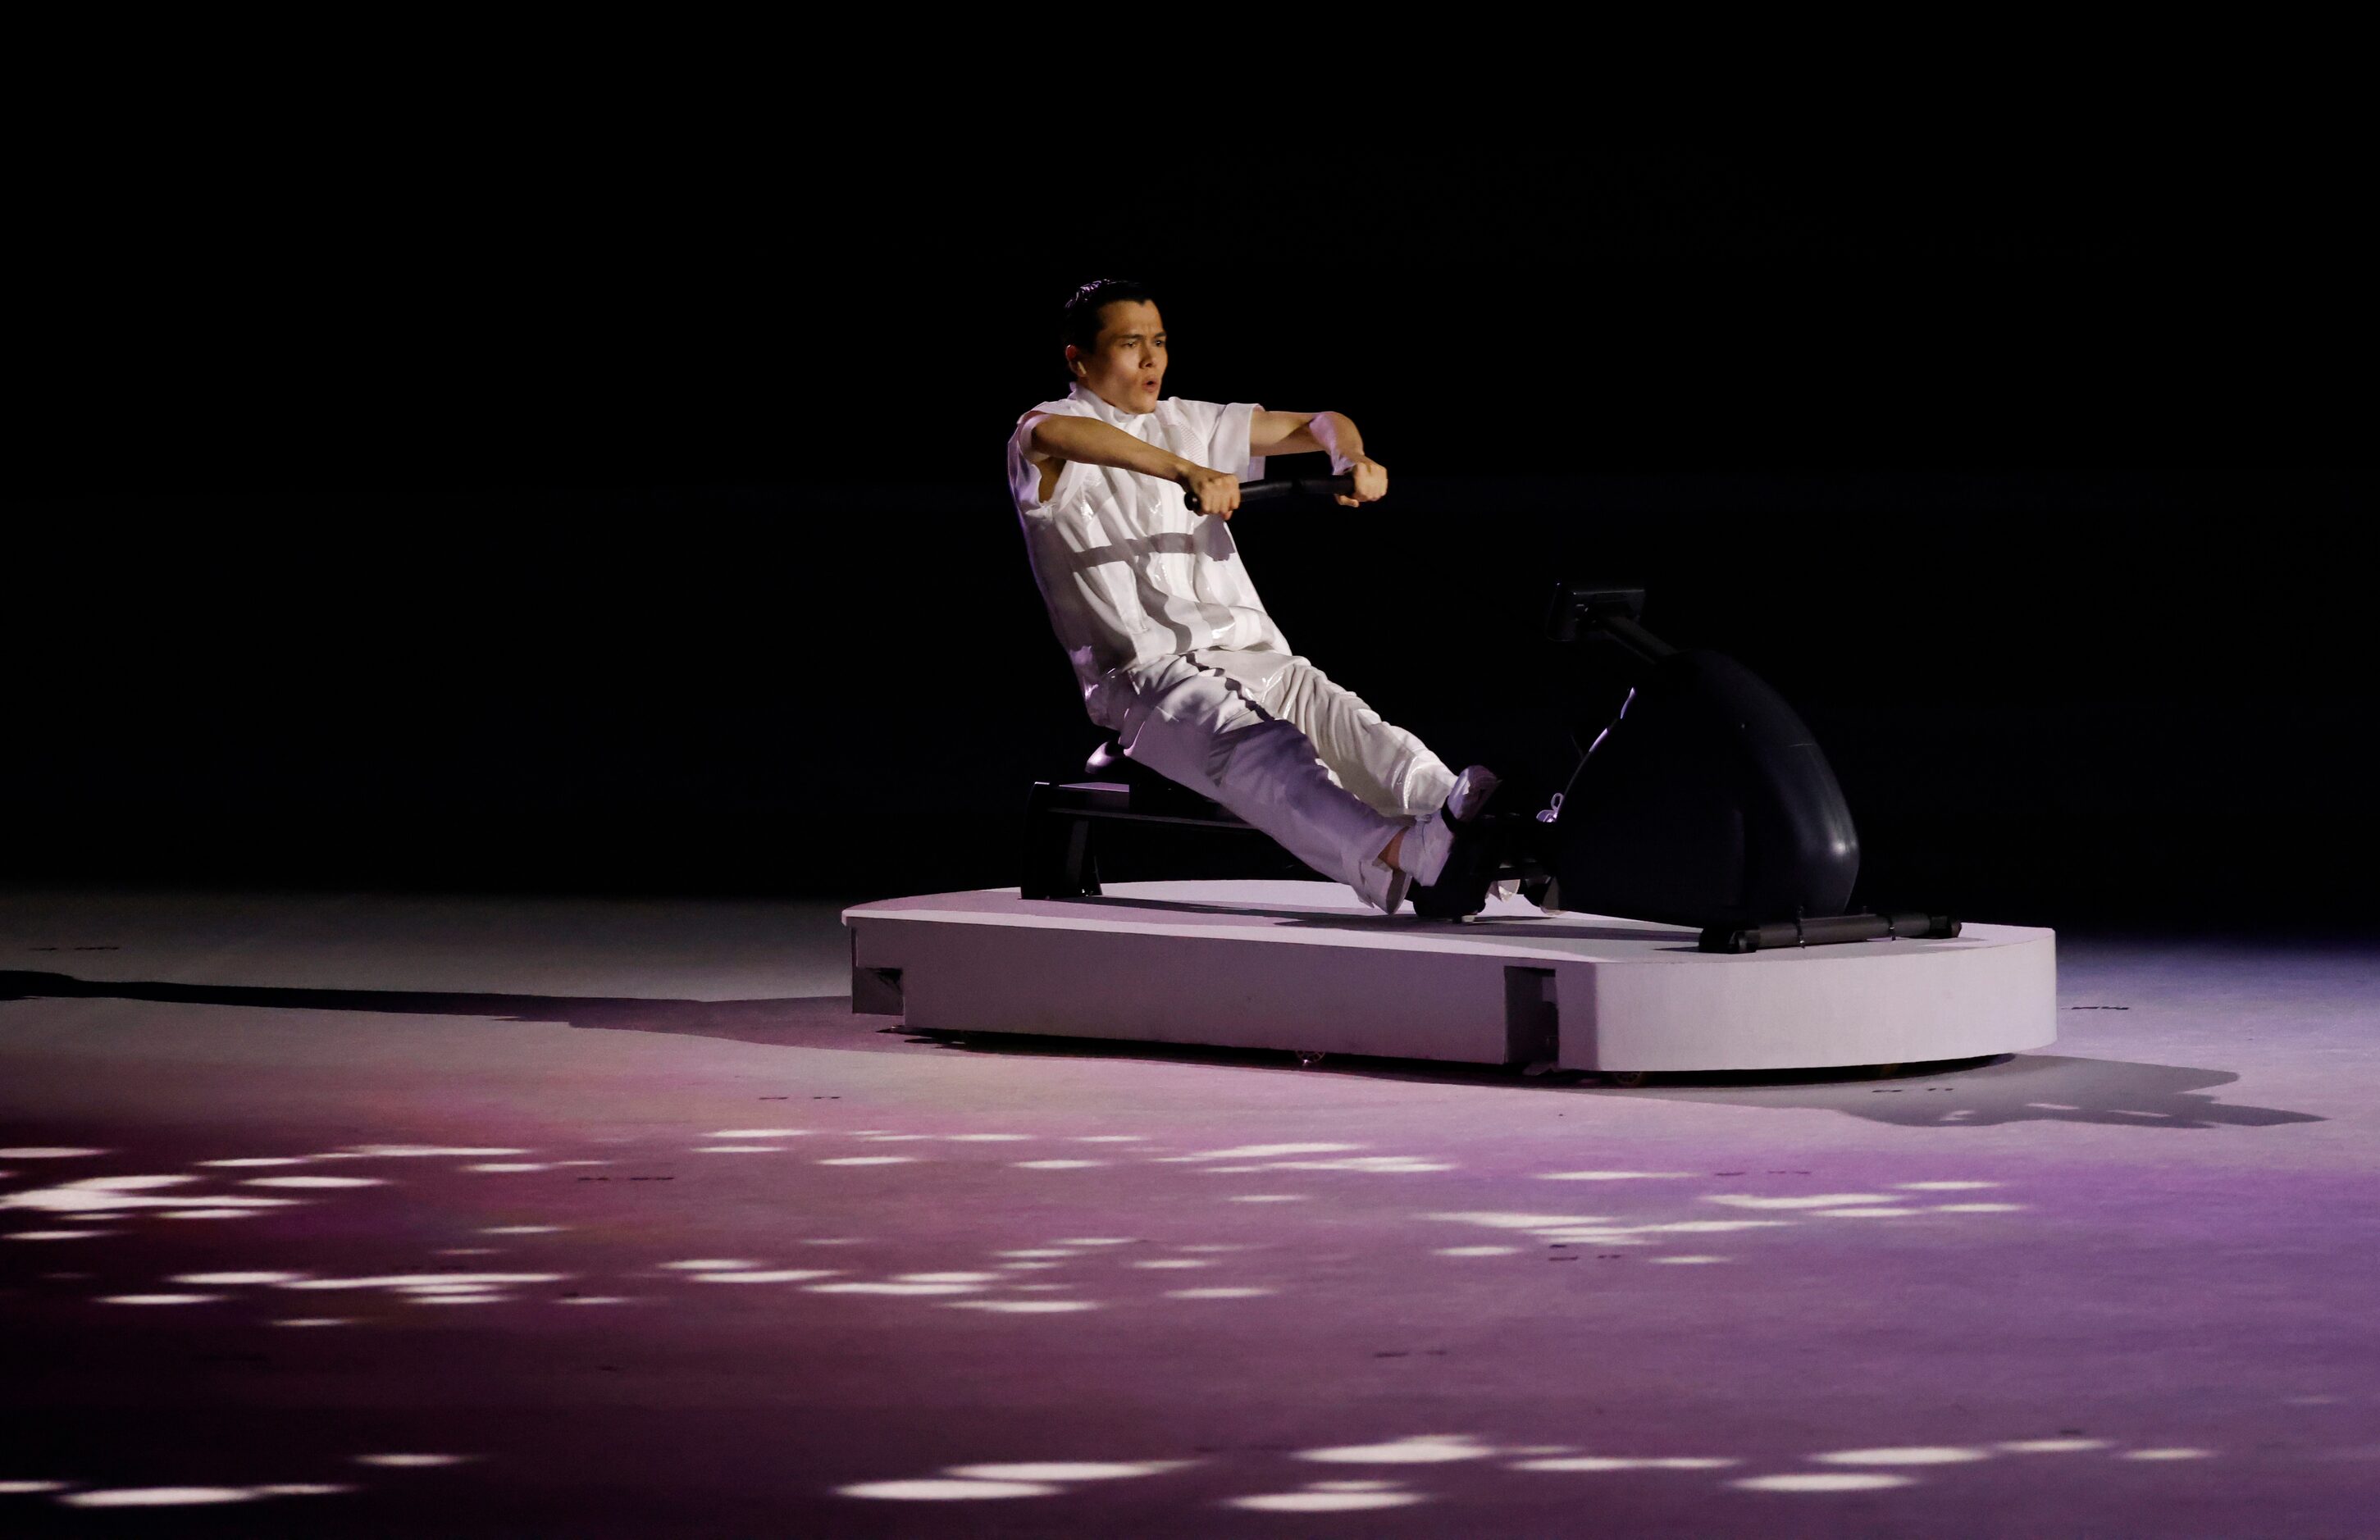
(559, 514)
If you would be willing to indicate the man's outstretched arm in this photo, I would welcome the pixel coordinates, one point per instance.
(1327, 432)
(1058, 438)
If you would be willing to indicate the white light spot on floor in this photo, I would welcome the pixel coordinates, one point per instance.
(301, 1489)
(160, 1299)
(597, 1299)
(1686, 1261)
(1067, 1470)
(1824, 1481)
(1978, 1207)
(1054, 1165)
(262, 1161)
(1267, 1198)
(2165, 1454)
(1324, 1501)
(315, 1181)
(1027, 1267)
(1029, 1288)
(1917, 1454)
(1218, 1293)
(2053, 1106)
(1428, 1448)
(1174, 1262)
(1823, 1200)
(756, 1133)
(871, 1161)
(27, 1488)
(736, 1150)
(209, 1214)
(946, 1278)
(1391, 1165)
(1040, 1251)
(1942, 1186)
(946, 1490)
(524, 1229)
(1711, 1227)
(429, 1281)
(1111, 1139)
(990, 1138)
(1521, 1221)
(1025, 1307)
(1476, 1251)
(1611, 1176)
(47, 1152)
(2053, 1446)
(1868, 1213)
(1259, 1152)
(402, 1152)
(505, 1167)
(893, 1288)
(582, 1162)
(770, 1275)
(79, 1201)
(157, 1496)
(411, 1461)
(126, 1183)
(57, 1234)
(1219, 1247)
(835, 1241)
(897, 1138)
(708, 1265)
(472, 1297)
(235, 1279)
(1589, 1462)
(316, 1320)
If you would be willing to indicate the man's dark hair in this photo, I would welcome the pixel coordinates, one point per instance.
(1082, 326)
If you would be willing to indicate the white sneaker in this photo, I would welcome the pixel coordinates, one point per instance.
(1431, 838)
(1428, 843)
(1382, 886)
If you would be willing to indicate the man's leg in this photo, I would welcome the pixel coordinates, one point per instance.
(1387, 765)
(1202, 729)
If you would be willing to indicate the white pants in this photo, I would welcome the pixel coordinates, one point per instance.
(1271, 738)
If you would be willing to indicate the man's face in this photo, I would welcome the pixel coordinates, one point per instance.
(1126, 365)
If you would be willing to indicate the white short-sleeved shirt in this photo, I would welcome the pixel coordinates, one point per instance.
(1129, 572)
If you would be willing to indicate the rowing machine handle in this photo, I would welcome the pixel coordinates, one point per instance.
(1301, 486)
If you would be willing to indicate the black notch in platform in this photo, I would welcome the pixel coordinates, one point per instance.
(874, 991)
(1532, 1019)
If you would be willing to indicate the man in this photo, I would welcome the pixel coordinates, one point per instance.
(1174, 650)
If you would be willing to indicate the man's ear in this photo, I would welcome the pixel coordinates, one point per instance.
(1074, 358)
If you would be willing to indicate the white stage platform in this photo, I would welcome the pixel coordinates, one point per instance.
(1303, 966)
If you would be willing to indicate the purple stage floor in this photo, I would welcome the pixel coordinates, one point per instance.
(402, 1216)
